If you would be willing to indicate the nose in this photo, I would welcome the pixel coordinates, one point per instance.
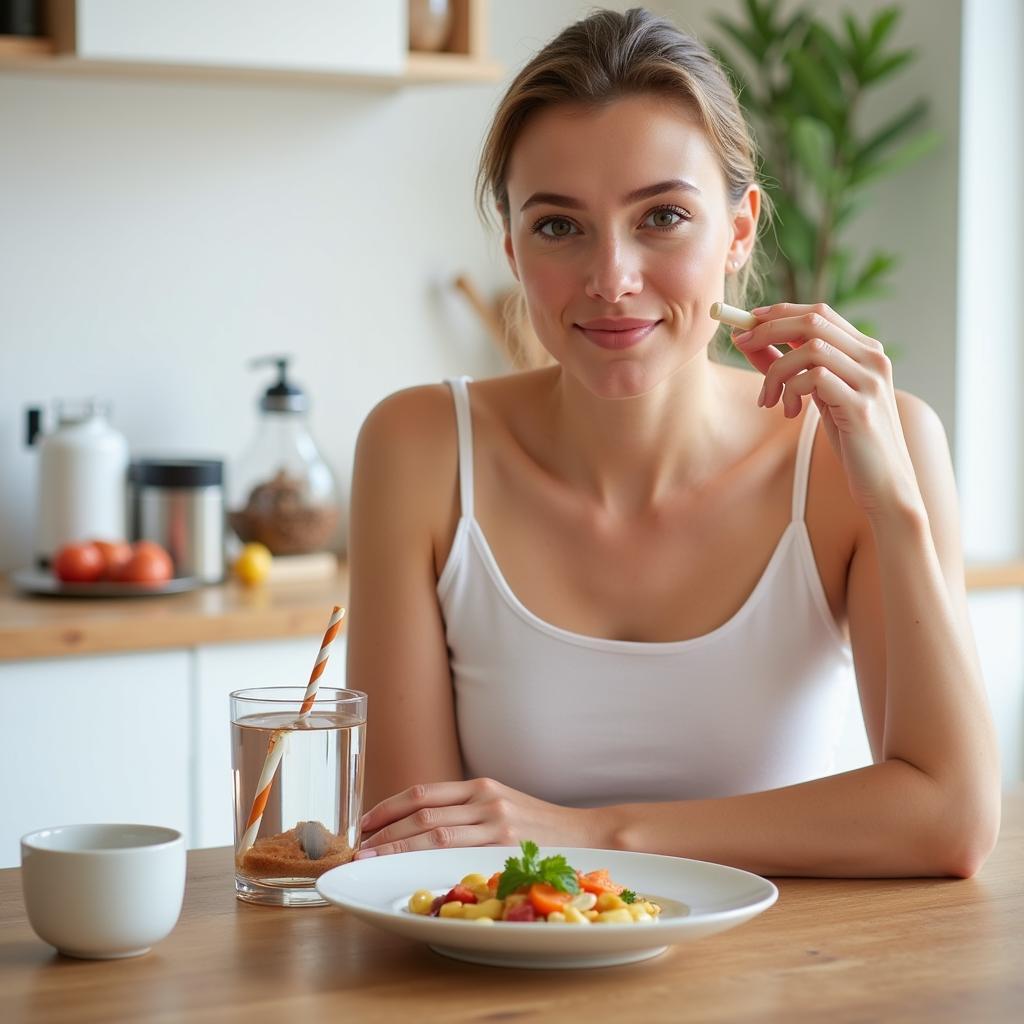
(613, 271)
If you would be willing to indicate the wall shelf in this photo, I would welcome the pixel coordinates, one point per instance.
(465, 62)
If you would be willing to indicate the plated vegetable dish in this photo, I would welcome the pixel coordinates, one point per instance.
(531, 889)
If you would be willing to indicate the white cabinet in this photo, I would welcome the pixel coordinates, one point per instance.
(134, 737)
(104, 738)
(219, 670)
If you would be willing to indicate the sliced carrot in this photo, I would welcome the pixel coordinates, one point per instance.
(598, 882)
(546, 899)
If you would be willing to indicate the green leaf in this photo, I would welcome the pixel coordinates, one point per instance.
(530, 850)
(881, 27)
(858, 44)
(816, 87)
(889, 132)
(814, 149)
(747, 40)
(557, 872)
(838, 60)
(884, 67)
(903, 157)
(627, 896)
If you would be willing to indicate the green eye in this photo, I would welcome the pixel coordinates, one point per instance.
(560, 228)
(665, 218)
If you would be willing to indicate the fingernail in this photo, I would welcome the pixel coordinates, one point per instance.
(363, 821)
(364, 854)
(760, 309)
(738, 339)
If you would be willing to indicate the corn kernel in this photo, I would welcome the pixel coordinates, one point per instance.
(453, 909)
(474, 881)
(638, 913)
(609, 901)
(575, 916)
(556, 917)
(617, 916)
(421, 901)
(590, 915)
(483, 920)
(488, 908)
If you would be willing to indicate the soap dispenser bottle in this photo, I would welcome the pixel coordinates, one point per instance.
(281, 492)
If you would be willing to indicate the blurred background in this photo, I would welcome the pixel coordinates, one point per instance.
(160, 230)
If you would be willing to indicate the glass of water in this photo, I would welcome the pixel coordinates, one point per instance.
(298, 789)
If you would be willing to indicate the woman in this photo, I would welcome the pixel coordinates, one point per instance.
(620, 601)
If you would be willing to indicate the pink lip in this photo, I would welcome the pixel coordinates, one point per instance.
(617, 333)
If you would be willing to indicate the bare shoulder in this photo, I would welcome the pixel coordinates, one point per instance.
(407, 459)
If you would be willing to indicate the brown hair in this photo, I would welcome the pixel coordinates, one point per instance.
(598, 60)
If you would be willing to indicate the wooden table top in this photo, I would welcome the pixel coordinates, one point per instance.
(839, 950)
(48, 627)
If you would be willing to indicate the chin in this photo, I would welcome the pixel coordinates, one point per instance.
(625, 379)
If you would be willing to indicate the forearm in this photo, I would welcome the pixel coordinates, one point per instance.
(879, 821)
(931, 807)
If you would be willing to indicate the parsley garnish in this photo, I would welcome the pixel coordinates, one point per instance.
(526, 870)
(628, 896)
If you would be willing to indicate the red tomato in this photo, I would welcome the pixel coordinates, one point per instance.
(598, 882)
(79, 563)
(149, 563)
(115, 554)
(460, 893)
(521, 912)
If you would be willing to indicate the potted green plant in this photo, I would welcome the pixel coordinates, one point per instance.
(802, 86)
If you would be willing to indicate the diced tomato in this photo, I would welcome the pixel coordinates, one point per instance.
(598, 882)
(546, 899)
(460, 893)
(494, 881)
(521, 912)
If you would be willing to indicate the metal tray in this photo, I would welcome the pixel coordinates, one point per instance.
(39, 581)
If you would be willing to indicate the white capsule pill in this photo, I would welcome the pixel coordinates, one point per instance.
(733, 316)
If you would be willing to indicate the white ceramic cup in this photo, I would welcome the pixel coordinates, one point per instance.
(102, 892)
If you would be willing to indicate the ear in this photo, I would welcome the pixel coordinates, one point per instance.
(510, 253)
(744, 229)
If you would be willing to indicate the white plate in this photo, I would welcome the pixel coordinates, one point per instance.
(39, 581)
(697, 898)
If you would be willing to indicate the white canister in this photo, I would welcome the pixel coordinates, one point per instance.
(82, 479)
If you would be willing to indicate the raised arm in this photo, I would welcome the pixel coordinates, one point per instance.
(403, 488)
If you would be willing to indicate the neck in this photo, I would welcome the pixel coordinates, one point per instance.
(630, 454)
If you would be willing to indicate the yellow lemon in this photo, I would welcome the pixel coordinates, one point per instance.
(253, 564)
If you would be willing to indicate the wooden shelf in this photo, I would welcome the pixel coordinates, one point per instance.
(996, 576)
(422, 69)
(465, 63)
(24, 48)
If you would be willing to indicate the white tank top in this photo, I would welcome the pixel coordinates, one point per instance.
(755, 704)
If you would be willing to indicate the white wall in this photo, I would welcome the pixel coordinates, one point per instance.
(156, 234)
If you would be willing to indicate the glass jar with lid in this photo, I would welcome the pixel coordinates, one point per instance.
(281, 492)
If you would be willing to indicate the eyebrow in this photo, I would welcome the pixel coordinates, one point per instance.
(647, 192)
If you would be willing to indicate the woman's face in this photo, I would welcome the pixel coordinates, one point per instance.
(620, 231)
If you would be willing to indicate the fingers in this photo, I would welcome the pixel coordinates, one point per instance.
(401, 805)
(425, 820)
(785, 372)
(796, 331)
(782, 310)
(823, 385)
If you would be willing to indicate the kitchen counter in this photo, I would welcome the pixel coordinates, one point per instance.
(898, 950)
(46, 627)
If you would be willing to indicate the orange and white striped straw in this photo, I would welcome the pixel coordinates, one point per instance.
(276, 747)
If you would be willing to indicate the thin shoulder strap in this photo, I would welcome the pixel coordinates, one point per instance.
(803, 459)
(464, 425)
